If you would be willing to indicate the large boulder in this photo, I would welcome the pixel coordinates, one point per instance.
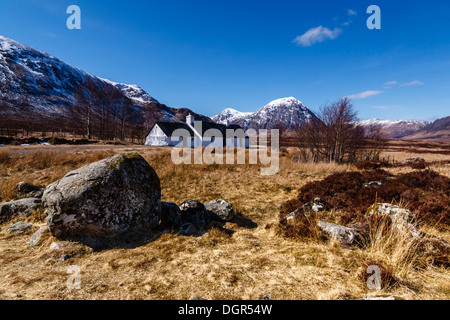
(116, 197)
(221, 208)
(19, 208)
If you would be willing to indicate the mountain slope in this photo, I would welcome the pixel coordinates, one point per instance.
(288, 113)
(395, 129)
(438, 130)
(38, 85)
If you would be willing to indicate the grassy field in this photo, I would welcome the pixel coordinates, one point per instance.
(248, 261)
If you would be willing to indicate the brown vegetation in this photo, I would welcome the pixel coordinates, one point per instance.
(247, 262)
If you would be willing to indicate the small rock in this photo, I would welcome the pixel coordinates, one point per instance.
(20, 208)
(317, 205)
(386, 298)
(403, 218)
(58, 245)
(195, 213)
(19, 227)
(347, 236)
(221, 208)
(198, 299)
(373, 183)
(413, 160)
(29, 189)
(36, 238)
(64, 258)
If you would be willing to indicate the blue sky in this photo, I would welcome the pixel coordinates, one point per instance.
(209, 55)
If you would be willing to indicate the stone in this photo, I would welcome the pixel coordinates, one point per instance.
(37, 237)
(115, 198)
(317, 205)
(403, 218)
(59, 245)
(19, 227)
(413, 160)
(221, 208)
(170, 215)
(373, 183)
(20, 208)
(29, 189)
(195, 213)
(347, 236)
(381, 298)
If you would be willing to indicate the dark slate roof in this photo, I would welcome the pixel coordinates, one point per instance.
(169, 127)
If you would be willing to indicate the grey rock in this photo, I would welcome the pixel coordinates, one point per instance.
(20, 208)
(58, 245)
(381, 298)
(317, 205)
(35, 238)
(170, 215)
(413, 160)
(347, 236)
(373, 183)
(221, 208)
(19, 227)
(29, 189)
(195, 213)
(401, 217)
(119, 197)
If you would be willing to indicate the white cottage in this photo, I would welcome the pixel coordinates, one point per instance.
(197, 133)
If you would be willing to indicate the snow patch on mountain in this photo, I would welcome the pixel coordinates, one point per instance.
(288, 113)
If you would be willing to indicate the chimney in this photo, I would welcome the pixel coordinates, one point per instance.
(190, 119)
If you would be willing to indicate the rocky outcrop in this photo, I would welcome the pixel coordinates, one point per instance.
(115, 197)
(221, 208)
(19, 208)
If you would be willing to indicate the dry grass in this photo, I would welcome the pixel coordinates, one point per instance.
(244, 263)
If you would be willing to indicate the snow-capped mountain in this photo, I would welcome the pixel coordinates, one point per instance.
(288, 113)
(395, 128)
(232, 115)
(37, 84)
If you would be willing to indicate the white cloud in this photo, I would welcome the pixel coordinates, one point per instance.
(317, 35)
(390, 84)
(352, 12)
(364, 95)
(413, 83)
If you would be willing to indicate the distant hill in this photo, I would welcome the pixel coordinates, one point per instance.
(438, 130)
(288, 113)
(36, 86)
